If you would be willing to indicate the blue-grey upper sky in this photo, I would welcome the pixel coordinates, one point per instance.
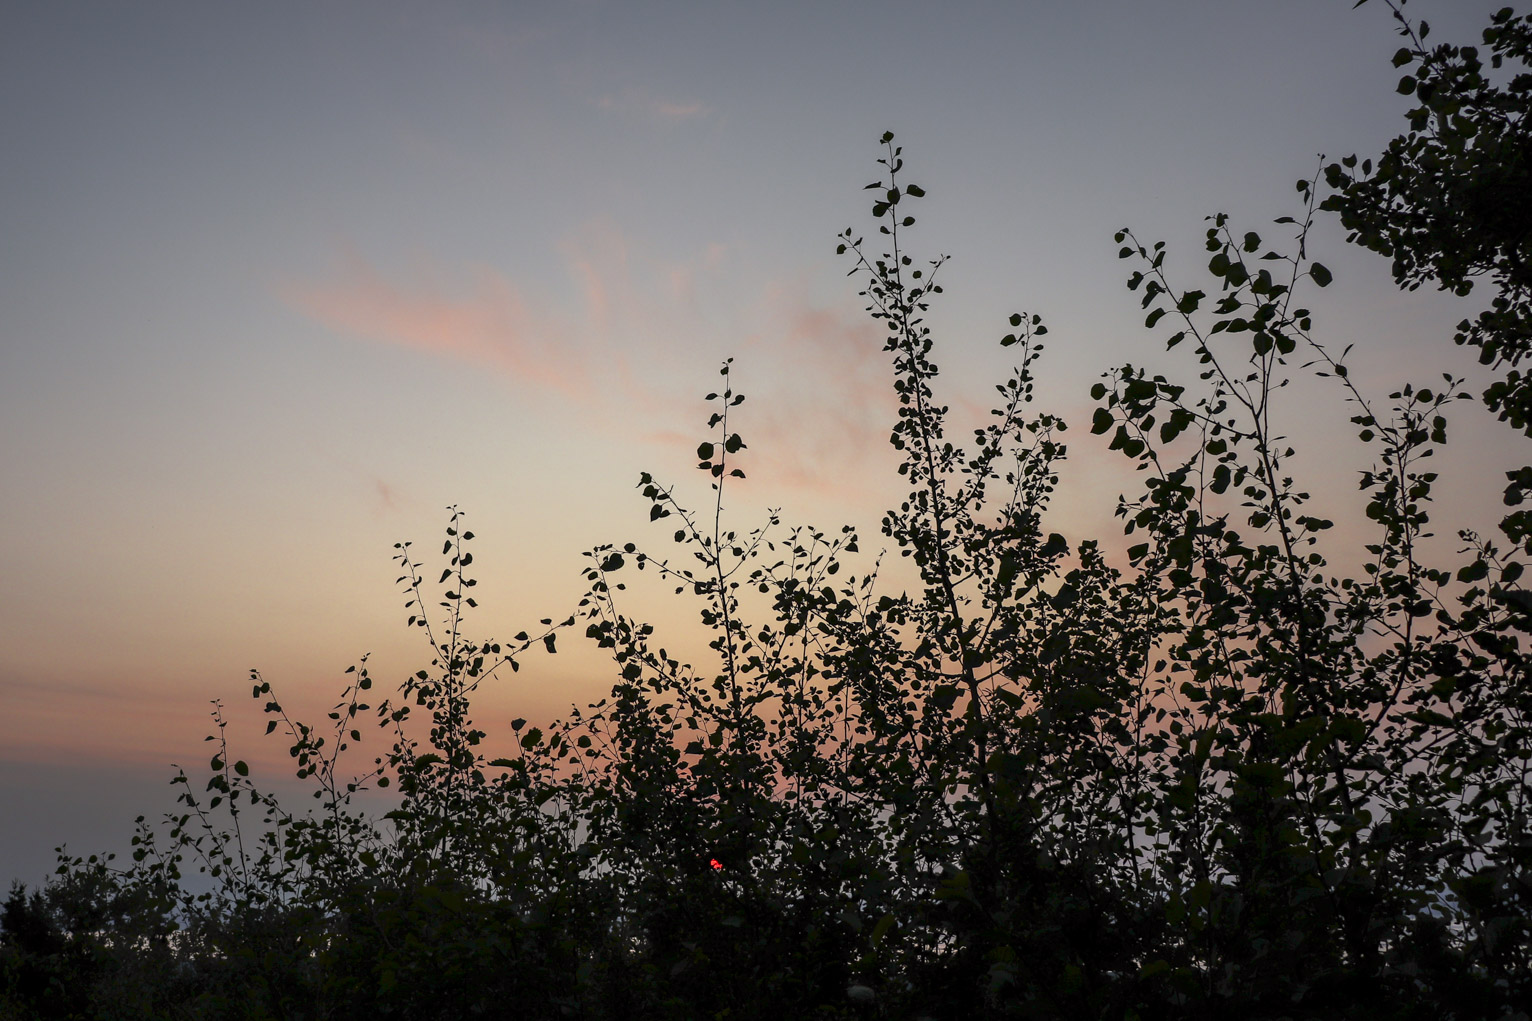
(280, 281)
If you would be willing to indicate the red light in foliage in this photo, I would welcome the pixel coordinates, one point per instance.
(717, 865)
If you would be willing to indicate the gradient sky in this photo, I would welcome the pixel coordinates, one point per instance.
(281, 281)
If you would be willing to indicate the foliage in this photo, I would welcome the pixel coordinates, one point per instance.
(1246, 771)
(1450, 201)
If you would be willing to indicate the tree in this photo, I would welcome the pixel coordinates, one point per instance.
(1449, 202)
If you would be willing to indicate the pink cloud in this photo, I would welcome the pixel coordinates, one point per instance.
(583, 348)
(490, 324)
(680, 111)
(683, 277)
(637, 102)
(819, 405)
(820, 400)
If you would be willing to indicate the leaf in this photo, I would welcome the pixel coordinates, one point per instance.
(1221, 479)
(1101, 421)
(1473, 572)
(1171, 428)
(1320, 274)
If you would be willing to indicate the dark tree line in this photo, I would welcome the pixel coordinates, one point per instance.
(1227, 777)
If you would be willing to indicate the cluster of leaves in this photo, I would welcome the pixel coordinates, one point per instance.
(1450, 201)
(1226, 776)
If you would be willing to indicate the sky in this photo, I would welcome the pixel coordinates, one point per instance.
(281, 282)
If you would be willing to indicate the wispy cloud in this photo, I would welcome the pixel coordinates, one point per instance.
(637, 102)
(830, 414)
(534, 334)
(387, 497)
(682, 277)
(488, 321)
(820, 401)
(53, 715)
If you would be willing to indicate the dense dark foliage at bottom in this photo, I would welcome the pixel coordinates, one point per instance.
(1248, 772)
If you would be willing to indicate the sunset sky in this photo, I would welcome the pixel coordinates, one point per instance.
(279, 282)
